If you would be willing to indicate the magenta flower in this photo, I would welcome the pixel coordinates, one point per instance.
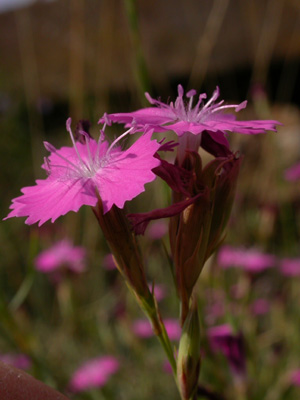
(108, 262)
(94, 373)
(157, 230)
(293, 173)
(250, 260)
(290, 266)
(295, 377)
(20, 361)
(159, 291)
(184, 117)
(223, 339)
(143, 328)
(78, 175)
(61, 254)
(260, 307)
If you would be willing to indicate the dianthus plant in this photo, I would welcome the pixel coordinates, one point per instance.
(103, 176)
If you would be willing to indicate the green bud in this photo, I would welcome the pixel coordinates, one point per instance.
(188, 360)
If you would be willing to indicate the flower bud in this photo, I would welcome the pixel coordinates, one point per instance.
(196, 232)
(124, 247)
(189, 233)
(188, 360)
(225, 173)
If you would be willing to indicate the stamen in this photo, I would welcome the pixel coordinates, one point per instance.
(202, 96)
(106, 119)
(149, 98)
(237, 107)
(52, 149)
(191, 99)
(241, 106)
(214, 97)
(191, 93)
(100, 140)
(47, 165)
(117, 140)
(68, 125)
(87, 143)
(180, 91)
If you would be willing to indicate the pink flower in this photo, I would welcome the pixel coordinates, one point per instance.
(159, 291)
(157, 230)
(295, 377)
(223, 339)
(290, 266)
(94, 373)
(143, 328)
(20, 361)
(167, 367)
(62, 254)
(78, 175)
(250, 260)
(260, 307)
(189, 120)
(293, 173)
(108, 262)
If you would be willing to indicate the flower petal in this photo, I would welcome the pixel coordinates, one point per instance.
(50, 199)
(125, 176)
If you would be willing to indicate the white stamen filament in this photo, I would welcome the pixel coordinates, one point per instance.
(87, 142)
(49, 146)
(212, 99)
(100, 140)
(74, 144)
(224, 107)
(117, 140)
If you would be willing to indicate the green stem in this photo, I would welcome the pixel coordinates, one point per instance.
(141, 70)
(149, 307)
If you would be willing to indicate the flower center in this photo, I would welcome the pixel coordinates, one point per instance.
(86, 163)
(200, 112)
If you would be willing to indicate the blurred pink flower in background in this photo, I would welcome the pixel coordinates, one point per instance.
(260, 307)
(231, 345)
(94, 373)
(61, 255)
(215, 305)
(108, 262)
(250, 260)
(167, 367)
(293, 173)
(159, 291)
(20, 361)
(290, 266)
(156, 230)
(295, 377)
(143, 328)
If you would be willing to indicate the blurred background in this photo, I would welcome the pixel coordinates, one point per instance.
(81, 58)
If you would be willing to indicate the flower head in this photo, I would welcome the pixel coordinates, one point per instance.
(293, 173)
(20, 361)
(189, 118)
(295, 377)
(143, 328)
(61, 254)
(78, 175)
(223, 339)
(290, 266)
(94, 373)
(251, 260)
